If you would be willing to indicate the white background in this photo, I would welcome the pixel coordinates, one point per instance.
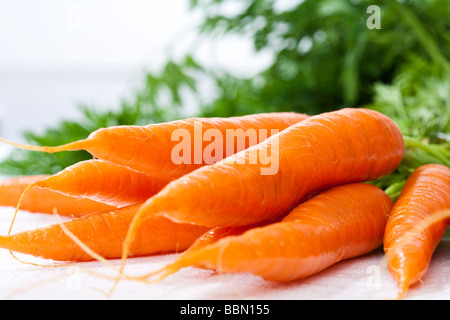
(57, 54)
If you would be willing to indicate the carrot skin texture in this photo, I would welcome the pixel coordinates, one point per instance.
(148, 149)
(341, 223)
(104, 182)
(425, 193)
(215, 234)
(159, 138)
(40, 200)
(349, 145)
(104, 234)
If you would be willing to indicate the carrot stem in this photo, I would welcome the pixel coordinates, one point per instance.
(394, 190)
(440, 154)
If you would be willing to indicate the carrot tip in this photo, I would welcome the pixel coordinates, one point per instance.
(404, 284)
(161, 274)
(402, 291)
(67, 147)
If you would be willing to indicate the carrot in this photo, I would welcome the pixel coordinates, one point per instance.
(349, 145)
(215, 234)
(341, 223)
(426, 192)
(103, 233)
(104, 182)
(344, 146)
(148, 149)
(45, 201)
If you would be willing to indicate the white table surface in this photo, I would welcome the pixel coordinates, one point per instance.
(365, 277)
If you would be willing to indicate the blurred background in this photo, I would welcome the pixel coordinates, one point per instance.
(56, 55)
(70, 67)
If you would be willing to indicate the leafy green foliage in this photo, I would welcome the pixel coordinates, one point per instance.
(418, 99)
(325, 56)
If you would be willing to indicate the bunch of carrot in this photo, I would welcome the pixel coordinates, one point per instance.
(315, 210)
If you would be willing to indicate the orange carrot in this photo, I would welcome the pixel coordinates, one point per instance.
(215, 234)
(426, 192)
(345, 146)
(341, 223)
(104, 182)
(348, 145)
(148, 149)
(103, 233)
(45, 201)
